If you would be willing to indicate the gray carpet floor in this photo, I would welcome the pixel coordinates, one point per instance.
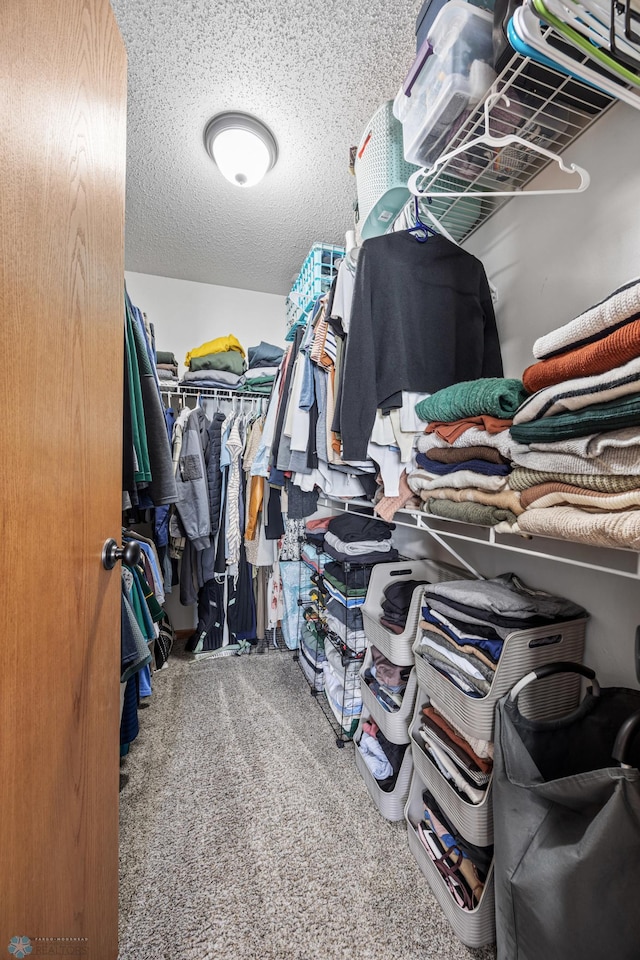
(246, 834)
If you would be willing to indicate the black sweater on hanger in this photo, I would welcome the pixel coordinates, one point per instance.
(422, 319)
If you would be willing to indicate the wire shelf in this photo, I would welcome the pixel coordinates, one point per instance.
(548, 108)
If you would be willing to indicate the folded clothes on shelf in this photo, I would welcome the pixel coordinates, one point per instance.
(218, 345)
(373, 557)
(211, 379)
(348, 617)
(265, 354)
(354, 640)
(166, 357)
(348, 599)
(356, 548)
(351, 576)
(351, 528)
(229, 360)
(479, 514)
(488, 468)
(312, 558)
(489, 396)
(620, 307)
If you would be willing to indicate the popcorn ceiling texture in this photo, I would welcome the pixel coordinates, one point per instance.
(313, 71)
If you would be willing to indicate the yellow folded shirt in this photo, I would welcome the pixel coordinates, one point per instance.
(219, 345)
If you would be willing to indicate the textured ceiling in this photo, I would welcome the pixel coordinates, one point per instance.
(313, 71)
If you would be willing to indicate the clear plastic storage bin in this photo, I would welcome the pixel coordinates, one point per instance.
(474, 927)
(523, 650)
(473, 820)
(448, 79)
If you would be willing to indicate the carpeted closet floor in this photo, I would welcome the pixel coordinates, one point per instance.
(246, 834)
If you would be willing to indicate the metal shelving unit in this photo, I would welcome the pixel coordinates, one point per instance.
(546, 107)
(344, 726)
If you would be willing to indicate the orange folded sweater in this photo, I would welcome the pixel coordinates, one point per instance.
(606, 354)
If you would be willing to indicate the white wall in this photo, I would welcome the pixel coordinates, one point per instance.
(186, 314)
(550, 258)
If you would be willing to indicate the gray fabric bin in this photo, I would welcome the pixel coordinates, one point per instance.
(567, 829)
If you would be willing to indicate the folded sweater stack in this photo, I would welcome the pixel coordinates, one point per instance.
(264, 362)
(462, 464)
(167, 367)
(577, 439)
(217, 364)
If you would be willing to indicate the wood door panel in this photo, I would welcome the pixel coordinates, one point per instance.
(62, 156)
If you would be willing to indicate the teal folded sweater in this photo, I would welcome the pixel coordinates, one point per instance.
(597, 418)
(491, 396)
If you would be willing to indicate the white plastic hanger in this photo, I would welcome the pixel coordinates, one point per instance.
(530, 30)
(488, 139)
(589, 19)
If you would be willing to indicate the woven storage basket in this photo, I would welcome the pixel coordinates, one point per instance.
(523, 651)
(382, 172)
(395, 726)
(473, 820)
(399, 647)
(474, 927)
(390, 805)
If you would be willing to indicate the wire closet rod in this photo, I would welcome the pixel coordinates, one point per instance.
(214, 392)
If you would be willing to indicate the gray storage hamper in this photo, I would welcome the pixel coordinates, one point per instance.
(390, 805)
(399, 647)
(473, 820)
(395, 726)
(474, 927)
(523, 650)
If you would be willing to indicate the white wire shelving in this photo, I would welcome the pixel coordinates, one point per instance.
(548, 108)
(617, 561)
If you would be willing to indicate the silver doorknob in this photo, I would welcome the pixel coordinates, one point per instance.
(111, 553)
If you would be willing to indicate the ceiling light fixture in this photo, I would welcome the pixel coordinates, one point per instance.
(242, 147)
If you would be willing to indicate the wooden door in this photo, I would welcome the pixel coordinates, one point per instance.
(62, 162)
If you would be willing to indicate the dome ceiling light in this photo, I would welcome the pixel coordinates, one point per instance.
(242, 147)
